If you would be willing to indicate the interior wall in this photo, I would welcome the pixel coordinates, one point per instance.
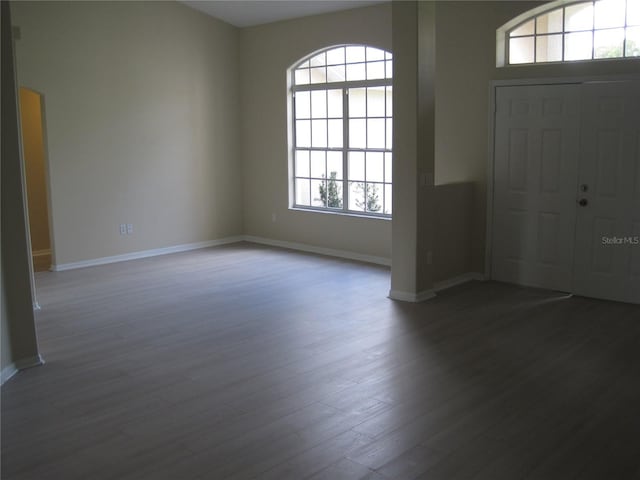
(466, 65)
(19, 343)
(142, 123)
(267, 52)
(34, 160)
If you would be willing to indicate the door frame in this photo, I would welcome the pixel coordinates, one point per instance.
(494, 84)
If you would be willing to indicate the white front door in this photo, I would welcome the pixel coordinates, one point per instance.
(566, 200)
(535, 172)
(607, 242)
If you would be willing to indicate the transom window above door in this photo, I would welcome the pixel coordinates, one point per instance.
(568, 31)
(341, 124)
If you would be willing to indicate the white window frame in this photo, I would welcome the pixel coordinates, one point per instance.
(503, 34)
(344, 86)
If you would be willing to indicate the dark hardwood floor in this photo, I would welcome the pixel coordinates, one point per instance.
(244, 362)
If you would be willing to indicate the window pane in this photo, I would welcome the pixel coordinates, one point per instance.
(389, 69)
(609, 13)
(333, 193)
(577, 46)
(578, 17)
(633, 12)
(373, 197)
(356, 165)
(525, 29)
(303, 133)
(302, 163)
(335, 133)
(388, 199)
(375, 167)
(633, 42)
(335, 103)
(389, 134)
(316, 195)
(355, 54)
(375, 70)
(357, 102)
(304, 65)
(549, 48)
(374, 54)
(302, 105)
(334, 164)
(357, 134)
(356, 196)
(319, 104)
(356, 72)
(318, 166)
(389, 101)
(302, 76)
(608, 43)
(521, 50)
(375, 101)
(549, 22)
(388, 167)
(376, 133)
(319, 133)
(319, 60)
(336, 73)
(335, 56)
(318, 75)
(303, 192)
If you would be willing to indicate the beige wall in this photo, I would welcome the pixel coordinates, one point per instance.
(267, 52)
(33, 151)
(142, 122)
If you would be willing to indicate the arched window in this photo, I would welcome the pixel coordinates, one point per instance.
(341, 131)
(564, 31)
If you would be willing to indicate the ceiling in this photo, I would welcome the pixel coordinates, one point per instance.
(246, 13)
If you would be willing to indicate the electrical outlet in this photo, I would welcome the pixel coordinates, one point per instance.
(129, 228)
(123, 229)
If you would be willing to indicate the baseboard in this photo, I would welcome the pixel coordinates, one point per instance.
(146, 253)
(319, 250)
(410, 296)
(41, 260)
(10, 370)
(458, 280)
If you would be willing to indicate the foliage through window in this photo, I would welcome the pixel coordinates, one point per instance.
(342, 131)
(577, 31)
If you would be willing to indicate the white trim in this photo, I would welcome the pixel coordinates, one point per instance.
(319, 250)
(13, 368)
(146, 253)
(410, 296)
(458, 280)
(8, 372)
(223, 241)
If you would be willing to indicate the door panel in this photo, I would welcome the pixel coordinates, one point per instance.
(536, 165)
(607, 243)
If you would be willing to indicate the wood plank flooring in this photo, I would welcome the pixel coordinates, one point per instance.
(244, 361)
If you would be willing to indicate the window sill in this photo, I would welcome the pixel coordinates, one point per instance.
(341, 214)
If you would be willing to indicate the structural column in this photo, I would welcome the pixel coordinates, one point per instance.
(413, 150)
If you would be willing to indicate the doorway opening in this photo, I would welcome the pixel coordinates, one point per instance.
(36, 177)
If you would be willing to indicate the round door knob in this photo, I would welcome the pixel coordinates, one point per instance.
(583, 202)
